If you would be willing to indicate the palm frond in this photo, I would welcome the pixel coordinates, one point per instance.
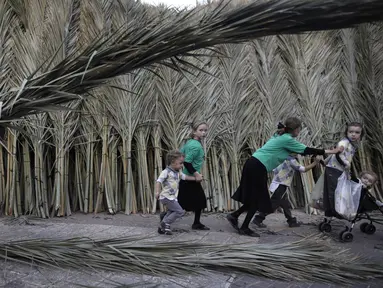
(7, 20)
(145, 40)
(306, 260)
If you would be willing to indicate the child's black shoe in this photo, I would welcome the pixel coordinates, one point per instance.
(259, 222)
(293, 223)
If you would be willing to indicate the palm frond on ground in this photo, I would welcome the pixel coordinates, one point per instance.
(306, 260)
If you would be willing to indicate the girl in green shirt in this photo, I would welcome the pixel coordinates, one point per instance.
(191, 195)
(252, 191)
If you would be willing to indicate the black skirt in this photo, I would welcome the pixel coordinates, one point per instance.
(252, 190)
(191, 196)
(331, 176)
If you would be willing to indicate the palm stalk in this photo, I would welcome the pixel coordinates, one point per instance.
(29, 202)
(305, 260)
(40, 180)
(223, 159)
(89, 135)
(156, 139)
(126, 107)
(114, 172)
(104, 185)
(63, 136)
(12, 163)
(79, 177)
(37, 131)
(144, 186)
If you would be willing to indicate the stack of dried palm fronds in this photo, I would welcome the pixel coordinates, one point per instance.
(104, 151)
(305, 260)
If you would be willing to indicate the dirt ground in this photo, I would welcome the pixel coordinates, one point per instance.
(104, 225)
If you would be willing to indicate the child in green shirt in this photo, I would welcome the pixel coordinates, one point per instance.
(253, 191)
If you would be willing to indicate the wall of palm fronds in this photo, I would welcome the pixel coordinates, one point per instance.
(104, 152)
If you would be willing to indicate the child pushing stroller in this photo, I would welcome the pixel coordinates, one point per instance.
(283, 177)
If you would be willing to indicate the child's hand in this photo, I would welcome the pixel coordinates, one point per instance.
(337, 150)
(157, 195)
(198, 177)
(340, 149)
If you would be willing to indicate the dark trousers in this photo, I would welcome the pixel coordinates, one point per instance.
(278, 199)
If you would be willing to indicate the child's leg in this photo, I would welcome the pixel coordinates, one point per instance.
(284, 202)
(380, 205)
(276, 202)
(277, 199)
(175, 211)
(245, 225)
(240, 210)
(330, 184)
(233, 217)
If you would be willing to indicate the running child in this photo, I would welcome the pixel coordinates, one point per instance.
(167, 190)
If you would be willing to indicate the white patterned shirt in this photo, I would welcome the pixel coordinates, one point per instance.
(346, 156)
(284, 173)
(170, 180)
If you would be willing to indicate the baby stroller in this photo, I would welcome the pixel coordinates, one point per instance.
(352, 203)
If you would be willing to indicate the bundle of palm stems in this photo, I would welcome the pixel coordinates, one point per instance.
(104, 149)
(146, 40)
(304, 260)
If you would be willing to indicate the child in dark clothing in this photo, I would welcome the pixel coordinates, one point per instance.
(283, 176)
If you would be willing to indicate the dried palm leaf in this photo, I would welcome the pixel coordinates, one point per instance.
(22, 220)
(305, 260)
(149, 40)
(177, 97)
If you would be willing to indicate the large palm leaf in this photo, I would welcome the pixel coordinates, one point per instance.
(303, 261)
(150, 39)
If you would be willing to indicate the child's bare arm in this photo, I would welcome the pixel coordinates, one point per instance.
(312, 165)
(190, 178)
(341, 155)
(158, 189)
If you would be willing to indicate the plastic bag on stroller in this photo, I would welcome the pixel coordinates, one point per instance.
(317, 194)
(347, 197)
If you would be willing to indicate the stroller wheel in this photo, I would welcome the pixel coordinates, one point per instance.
(346, 236)
(325, 227)
(370, 229)
(363, 227)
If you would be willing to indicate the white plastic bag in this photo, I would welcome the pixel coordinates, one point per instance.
(317, 194)
(347, 197)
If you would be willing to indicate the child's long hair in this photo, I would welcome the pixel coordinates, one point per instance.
(354, 124)
(195, 126)
(290, 125)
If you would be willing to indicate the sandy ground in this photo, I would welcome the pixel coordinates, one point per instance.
(107, 226)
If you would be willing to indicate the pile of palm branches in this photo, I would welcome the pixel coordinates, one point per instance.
(121, 82)
(305, 260)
